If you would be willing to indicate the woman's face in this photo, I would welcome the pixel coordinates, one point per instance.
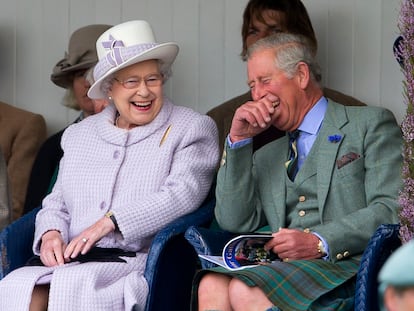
(80, 88)
(273, 22)
(137, 93)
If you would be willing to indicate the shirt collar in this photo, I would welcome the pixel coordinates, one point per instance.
(313, 119)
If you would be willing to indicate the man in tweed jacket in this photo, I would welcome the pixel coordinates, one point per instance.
(5, 209)
(349, 161)
(22, 133)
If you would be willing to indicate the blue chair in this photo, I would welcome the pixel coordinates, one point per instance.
(207, 242)
(383, 242)
(171, 264)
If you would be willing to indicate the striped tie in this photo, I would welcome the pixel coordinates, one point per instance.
(292, 163)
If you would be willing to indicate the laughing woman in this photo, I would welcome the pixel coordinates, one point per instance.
(126, 173)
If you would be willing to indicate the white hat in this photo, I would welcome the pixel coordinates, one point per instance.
(127, 44)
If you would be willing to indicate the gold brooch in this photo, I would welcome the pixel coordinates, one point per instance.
(164, 137)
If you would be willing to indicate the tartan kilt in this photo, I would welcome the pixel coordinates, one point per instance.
(298, 285)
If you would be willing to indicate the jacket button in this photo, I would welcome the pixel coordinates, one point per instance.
(346, 254)
(302, 213)
(302, 198)
(339, 256)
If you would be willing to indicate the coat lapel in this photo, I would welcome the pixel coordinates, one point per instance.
(334, 120)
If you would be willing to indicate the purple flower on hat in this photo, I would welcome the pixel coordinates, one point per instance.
(114, 56)
(334, 138)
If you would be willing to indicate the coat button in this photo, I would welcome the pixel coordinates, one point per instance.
(339, 256)
(302, 198)
(302, 213)
(346, 254)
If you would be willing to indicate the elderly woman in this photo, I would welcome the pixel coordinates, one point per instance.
(126, 173)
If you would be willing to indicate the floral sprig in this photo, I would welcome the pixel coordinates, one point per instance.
(405, 54)
(334, 138)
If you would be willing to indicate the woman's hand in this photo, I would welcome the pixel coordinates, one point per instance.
(52, 248)
(87, 239)
(291, 244)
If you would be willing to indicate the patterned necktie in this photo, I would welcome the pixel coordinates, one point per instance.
(292, 163)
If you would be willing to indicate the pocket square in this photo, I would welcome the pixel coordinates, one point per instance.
(346, 159)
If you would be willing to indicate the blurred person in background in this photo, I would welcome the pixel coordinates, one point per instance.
(396, 280)
(22, 134)
(5, 208)
(70, 74)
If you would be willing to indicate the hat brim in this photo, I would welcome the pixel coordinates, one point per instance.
(64, 78)
(166, 52)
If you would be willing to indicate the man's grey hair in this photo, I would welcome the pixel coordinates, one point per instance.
(289, 50)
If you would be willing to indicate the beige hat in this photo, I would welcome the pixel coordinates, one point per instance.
(81, 54)
(127, 44)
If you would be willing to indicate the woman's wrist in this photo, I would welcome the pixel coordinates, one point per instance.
(111, 216)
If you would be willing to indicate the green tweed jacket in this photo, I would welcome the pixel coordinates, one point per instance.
(357, 180)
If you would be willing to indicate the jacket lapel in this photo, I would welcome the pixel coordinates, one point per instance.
(331, 138)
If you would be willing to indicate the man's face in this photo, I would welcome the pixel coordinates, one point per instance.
(399, 300)
(265, 79)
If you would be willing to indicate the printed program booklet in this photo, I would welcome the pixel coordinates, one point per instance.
(244, 251)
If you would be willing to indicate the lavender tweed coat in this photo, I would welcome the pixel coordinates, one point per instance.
(147, 181)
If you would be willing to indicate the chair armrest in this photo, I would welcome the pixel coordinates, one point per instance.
(201, 216)
(207, 242)
(16, 242)
(382, 243)
(172, 261)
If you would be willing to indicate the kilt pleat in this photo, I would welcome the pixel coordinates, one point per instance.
(299, 285)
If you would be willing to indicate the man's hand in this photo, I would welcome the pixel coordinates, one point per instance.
(253, 118)
(291, 244)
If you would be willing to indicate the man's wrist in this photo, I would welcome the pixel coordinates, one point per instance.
(321, 248)
(238, 144)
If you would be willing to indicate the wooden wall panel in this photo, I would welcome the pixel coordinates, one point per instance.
(8, 52)
(391, 77)
(235, 69)
(367, 51)
(212, 59)
(184, 84)
(355, 48)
